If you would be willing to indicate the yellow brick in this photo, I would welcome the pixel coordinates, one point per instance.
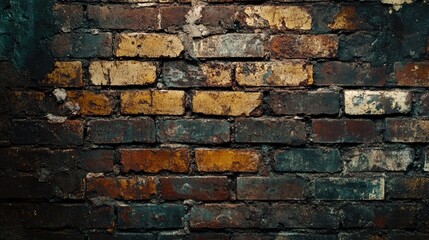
(290, 73)
(278, 17)
(97, 104)
(148, 45)
(217, 75)
(65, 74)
(122, 73)
(153, 102)
(227, 103)
(227, 160)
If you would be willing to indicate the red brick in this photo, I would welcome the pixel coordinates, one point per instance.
(197, 188)
(130, 188)
(219, 17)
(270, 188)
(68, 17)
(173, 17)
(412, 74)
(155, 160)
(407, 130)
(344, 131)
(304, 46)
(98, 160)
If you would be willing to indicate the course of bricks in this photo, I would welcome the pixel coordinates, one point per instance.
(221, 119)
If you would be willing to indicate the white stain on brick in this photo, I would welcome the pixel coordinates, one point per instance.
(365, 102)
(397, 4)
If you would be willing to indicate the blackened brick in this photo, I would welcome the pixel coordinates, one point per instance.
(98, 160)
(349, 189)
(150, 216)
(406, 130)
(270, 188)
(68, 17)
(344, 131)
(307, 160)
(82, 45)
(309, 103)
(408, 188)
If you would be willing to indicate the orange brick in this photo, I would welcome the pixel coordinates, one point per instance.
(304, 46)
(278, 17)
(97, 104)
(227, 103)
(65, 74)
(119, 73)
(412, 74)
(155, 160)
(132, 188)
(285, 73)
(150, 45)
(227, 160)
(157, 102)
(345, 19)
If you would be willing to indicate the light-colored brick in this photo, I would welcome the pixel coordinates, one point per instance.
(227, 103)
(118, 73)
(90, 103)
(65, 74)
(362, 102)
(159, 102)
(278, 17)
(230, 45)
(287, 73)
(150, 45)
(378, 159)
(227, 160)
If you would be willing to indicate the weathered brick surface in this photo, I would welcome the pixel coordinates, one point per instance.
(65, 74)
(285, 73)
(91, 103)
(151, 216)
(227, 160)
(349, 189)
(82, 45)
(408, 188)
(149, 45)
(412, 74)
(153, 102)
(406, 130)
(270, 188)
(304, 46)
(198, 188)
(310, 103)
(307, 160)
(344, 130)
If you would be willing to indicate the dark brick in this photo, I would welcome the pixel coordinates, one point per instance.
(307, 160)
(209, 236)
(25, 187)
(123, 17)
(171, 236)
(413, 74)
(173, 17)
(253, 236)
(349, 189)
(348, 74)
(4, 132)
(306, 236)
(270, 130)
(69, 184)
(408, 187)
(423, 106)
(391, 216)
(100, 236)
(270, 188)
(362, 236)
(134, 236)
(122, 130)
(82, 45)
(31, 103)
(44, 133)
(406, 130)
(300, 102)
(408, 236)
(195, 131)
(68, 17)
(98, 160)
(358, 17)
(150, 216)
(219, 17)
(344, 131)
(304, 46)
(42, 235)
(198, 188)
(363, 46)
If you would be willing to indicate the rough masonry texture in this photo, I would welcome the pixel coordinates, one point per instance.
(214, 120)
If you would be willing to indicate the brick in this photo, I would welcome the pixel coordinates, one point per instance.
(305, 102)
(219, 18)
(387, 216)
(349, 189)
(208, 131)
(44, 133)
(64, 74)
(377, 159)
(252, 236)
(230, 46)
(304, 46)
(358, 236)
(122, 131)
(356, 18)
(406, 130)
(270, 130)
(307, 160)
(153, 102)
(412, 74)
(151, 45)
(134, 236)
(98, 160)
(82, 45)
(367, 102)
(270, 188)
(285, 73)
(209, 236)
(344, 131)
(151, 216)
(197, 188)
(278, 17)
(423, 105)
(364, 46)
(232, 103)
(25, 187)
(310, 236)
(91, 103)
(4, 132)
(348, 74)
(38, 235)
(180, 74)
(408, 187)
(409, 236)
(130, 188)
(227, 160)
(425, 158)
(123, 17)
(120, 73)
(29, 103)
(68, 17)
(173, 17)
(155, 160)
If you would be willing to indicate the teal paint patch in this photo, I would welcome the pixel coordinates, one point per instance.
(25, 28)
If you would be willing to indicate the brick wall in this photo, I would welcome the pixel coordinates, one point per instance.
(220, 119)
